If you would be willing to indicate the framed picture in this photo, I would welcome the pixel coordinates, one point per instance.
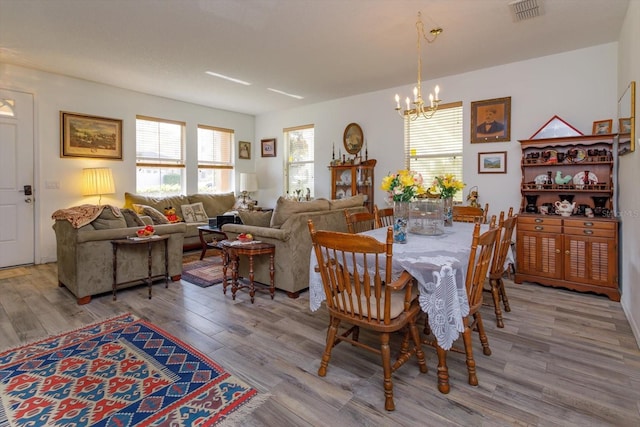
(555, 128)
(624, 125)
(495, 162)
(268, 147)
(353, 138)
(601, 127)
(244, 150)
(491, 120)
(90, 136)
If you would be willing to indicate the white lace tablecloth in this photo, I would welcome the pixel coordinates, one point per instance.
(439, 264)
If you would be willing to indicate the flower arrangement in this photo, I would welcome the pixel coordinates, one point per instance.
(446, 185)
(403, 186)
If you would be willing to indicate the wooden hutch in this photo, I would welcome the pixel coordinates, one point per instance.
(348, 180)
(578, 251)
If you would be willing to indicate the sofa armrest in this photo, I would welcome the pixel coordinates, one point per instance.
(232, 231)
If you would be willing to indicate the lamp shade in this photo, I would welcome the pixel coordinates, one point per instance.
(248, 182)
(97, 181)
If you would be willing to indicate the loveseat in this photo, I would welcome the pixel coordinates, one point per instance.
(213, 204)
(286, 227)
(85, 252)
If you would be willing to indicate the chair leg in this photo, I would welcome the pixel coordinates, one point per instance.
(443, 371)
(503, 295)
(417, 342)
(468, 349)
(385, 351)
(331, 337)
(495, 293)
(483, 336)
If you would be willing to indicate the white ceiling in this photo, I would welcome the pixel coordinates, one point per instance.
(320, 49)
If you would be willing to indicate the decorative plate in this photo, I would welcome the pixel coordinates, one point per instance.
(346, 177)
(340, 194)
(580, 156)
(578, 179)
(541, 179)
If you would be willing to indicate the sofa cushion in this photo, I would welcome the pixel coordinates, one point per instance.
(194, 212)
(156, 216)
(285, 208)
(131, 217)
(108, 220)
(257, 218)
(349, 202)
(158, 203)
(214, 204)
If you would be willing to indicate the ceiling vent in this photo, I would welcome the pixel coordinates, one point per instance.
(525, 9)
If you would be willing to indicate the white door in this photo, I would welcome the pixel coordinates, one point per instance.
(16, 179)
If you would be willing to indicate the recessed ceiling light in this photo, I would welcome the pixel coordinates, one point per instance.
(285, 93)
(231, 79)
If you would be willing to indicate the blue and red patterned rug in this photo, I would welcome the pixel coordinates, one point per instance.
(121, 372)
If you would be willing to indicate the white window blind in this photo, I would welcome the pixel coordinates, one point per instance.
(159, 156)
(434, 146)
(299, 170)
(215, 159)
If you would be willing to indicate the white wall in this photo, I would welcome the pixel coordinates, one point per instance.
(629, 173)
(579, 86)
(54, 93)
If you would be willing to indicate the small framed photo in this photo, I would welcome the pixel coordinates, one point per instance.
(244, 150)
(491, 120)
(90, 136)
(268, 147)
(624, 125)
(601, 127)
(494, 162)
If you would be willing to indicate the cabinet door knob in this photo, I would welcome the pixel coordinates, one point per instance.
(588, 231)
(567, 252)
(538, 220)
(558, 251)
(537, 227)
(588, 224)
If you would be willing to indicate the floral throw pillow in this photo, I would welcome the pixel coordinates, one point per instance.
(194, 212)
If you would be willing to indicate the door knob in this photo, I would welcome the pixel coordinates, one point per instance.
(28, 200)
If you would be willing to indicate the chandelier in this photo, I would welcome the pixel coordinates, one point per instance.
(419, 107)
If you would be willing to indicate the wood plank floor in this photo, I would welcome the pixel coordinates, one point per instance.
(563, 358)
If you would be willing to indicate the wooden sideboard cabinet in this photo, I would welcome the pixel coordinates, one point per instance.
(577, 252)
(349, 180)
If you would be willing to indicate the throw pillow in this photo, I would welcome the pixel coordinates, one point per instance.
(257, 218)
(156, 216)
(108, 220)
(132, 218)
(194, 213)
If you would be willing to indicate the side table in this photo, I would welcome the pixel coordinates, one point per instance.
(133, 241)
(219, 235)
(231, 255)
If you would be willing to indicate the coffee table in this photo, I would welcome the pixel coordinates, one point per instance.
(231, 256)
(219, 235)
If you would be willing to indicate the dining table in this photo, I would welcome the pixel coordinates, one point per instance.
(439, 265)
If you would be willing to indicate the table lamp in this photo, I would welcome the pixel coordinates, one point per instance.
(97, 181)
(248, 184)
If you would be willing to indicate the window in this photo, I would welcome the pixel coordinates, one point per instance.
(434, 146)
(299, 176)
(159, 156)
(215, 159)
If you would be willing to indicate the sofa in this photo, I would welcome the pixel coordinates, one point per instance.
(286, 227)
(85, 252)
(153, 207)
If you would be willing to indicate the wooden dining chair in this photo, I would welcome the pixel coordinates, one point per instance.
(358, 222)
(384, 217)
(479, 259)
(470, 213)
(498, 270)
(367, 297)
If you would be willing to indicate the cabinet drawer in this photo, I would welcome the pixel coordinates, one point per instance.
(538, 220)
(589, 223)
(589, 232)
(542, 228)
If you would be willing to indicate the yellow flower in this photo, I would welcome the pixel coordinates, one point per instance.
(403, 186)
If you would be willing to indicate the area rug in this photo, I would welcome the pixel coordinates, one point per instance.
(121, 372)
(205, 273)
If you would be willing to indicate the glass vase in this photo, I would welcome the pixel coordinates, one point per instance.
(400, 221)
(447, 211)
(427, 217)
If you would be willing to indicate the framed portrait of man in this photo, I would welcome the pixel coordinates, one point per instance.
(491, 120)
